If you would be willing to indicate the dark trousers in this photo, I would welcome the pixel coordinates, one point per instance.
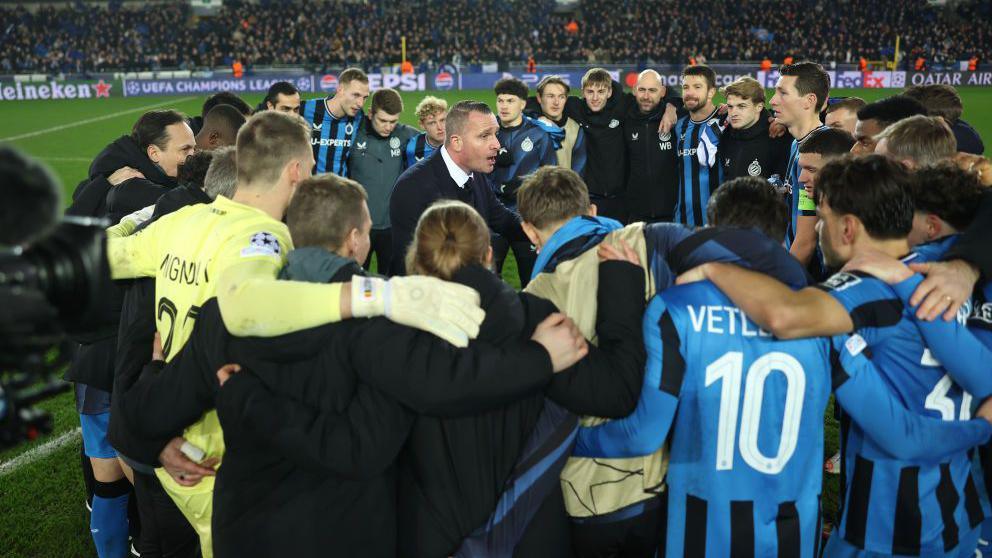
(523, 252)
(382, 247)
(165, 533)
(614, 208)
(641, 536)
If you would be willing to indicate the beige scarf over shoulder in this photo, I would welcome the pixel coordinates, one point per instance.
(600, 486)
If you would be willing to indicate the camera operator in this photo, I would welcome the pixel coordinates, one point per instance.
(51, 280)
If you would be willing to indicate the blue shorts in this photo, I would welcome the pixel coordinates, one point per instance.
(95, 442)
(91, 400)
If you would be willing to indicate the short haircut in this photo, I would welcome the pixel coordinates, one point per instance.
(701, 70)
(746, 88)
(150, 129)
(810, 78)
(450, 235)
(511, 86)
(853, 104)
(226, 98)
(193, 170)
(939, 99)
(925, 140)
(429, 106)
(597, 76)
(552, 80)
(873, 188)
(891, 110)
(387, 100)
(351, 74)
(829, 142)
(552, 195)
(267, 143)
(458, 116)
(280, 88)
(949, 192)
(224, 118)
(222, 176)
(749, 202)
(324, 209)
(39, 196)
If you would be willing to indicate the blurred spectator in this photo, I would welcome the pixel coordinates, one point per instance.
(87, 38)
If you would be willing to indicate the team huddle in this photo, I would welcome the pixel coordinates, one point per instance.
(698, 280)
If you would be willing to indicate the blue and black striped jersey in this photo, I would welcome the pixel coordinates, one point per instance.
(331, 137)
(899, 506)
(696, 181)
(799, 202)
(417, 149)
(743, 413)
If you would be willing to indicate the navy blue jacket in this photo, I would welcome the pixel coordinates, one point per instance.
(421, 185)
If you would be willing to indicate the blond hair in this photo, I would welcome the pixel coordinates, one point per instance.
(430, 106)
(925, 140)
(450, 235)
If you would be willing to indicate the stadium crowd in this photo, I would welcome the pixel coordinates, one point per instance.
(86, 38)
(268, 394)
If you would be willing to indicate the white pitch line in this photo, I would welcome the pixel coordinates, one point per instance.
(94, 119)
(40, 452)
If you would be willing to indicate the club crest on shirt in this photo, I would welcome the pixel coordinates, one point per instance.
(394, 143)
(664, 136)
(754, 169)
(614, 123)
(527, 145)
(349, 128)
(841, 281)
(262, 244)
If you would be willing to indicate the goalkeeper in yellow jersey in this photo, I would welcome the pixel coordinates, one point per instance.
(233, 249)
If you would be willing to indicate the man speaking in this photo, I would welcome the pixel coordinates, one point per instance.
(457, 171)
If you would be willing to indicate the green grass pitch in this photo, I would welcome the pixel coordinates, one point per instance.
(41, 502)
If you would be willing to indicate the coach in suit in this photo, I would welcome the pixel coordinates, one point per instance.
(457, 171)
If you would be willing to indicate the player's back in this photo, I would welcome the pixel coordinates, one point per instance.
(747, 440)
(193, 246)
(892, 505)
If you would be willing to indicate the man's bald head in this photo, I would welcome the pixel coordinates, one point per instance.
(649, 90)
(220, 128)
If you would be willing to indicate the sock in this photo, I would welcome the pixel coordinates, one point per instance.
(108, 522)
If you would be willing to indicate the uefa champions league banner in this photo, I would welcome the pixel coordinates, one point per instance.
(209, 86)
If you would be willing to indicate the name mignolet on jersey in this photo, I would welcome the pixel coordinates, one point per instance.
(179, 270)
(723, 320)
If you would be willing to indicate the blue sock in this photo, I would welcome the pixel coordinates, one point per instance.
(108, 522)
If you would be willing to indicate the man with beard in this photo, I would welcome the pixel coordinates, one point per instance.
(652, 167)
(698, 135)
(745, 147)
(600, 112)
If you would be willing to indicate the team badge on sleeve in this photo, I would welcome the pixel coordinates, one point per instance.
(262, 244)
